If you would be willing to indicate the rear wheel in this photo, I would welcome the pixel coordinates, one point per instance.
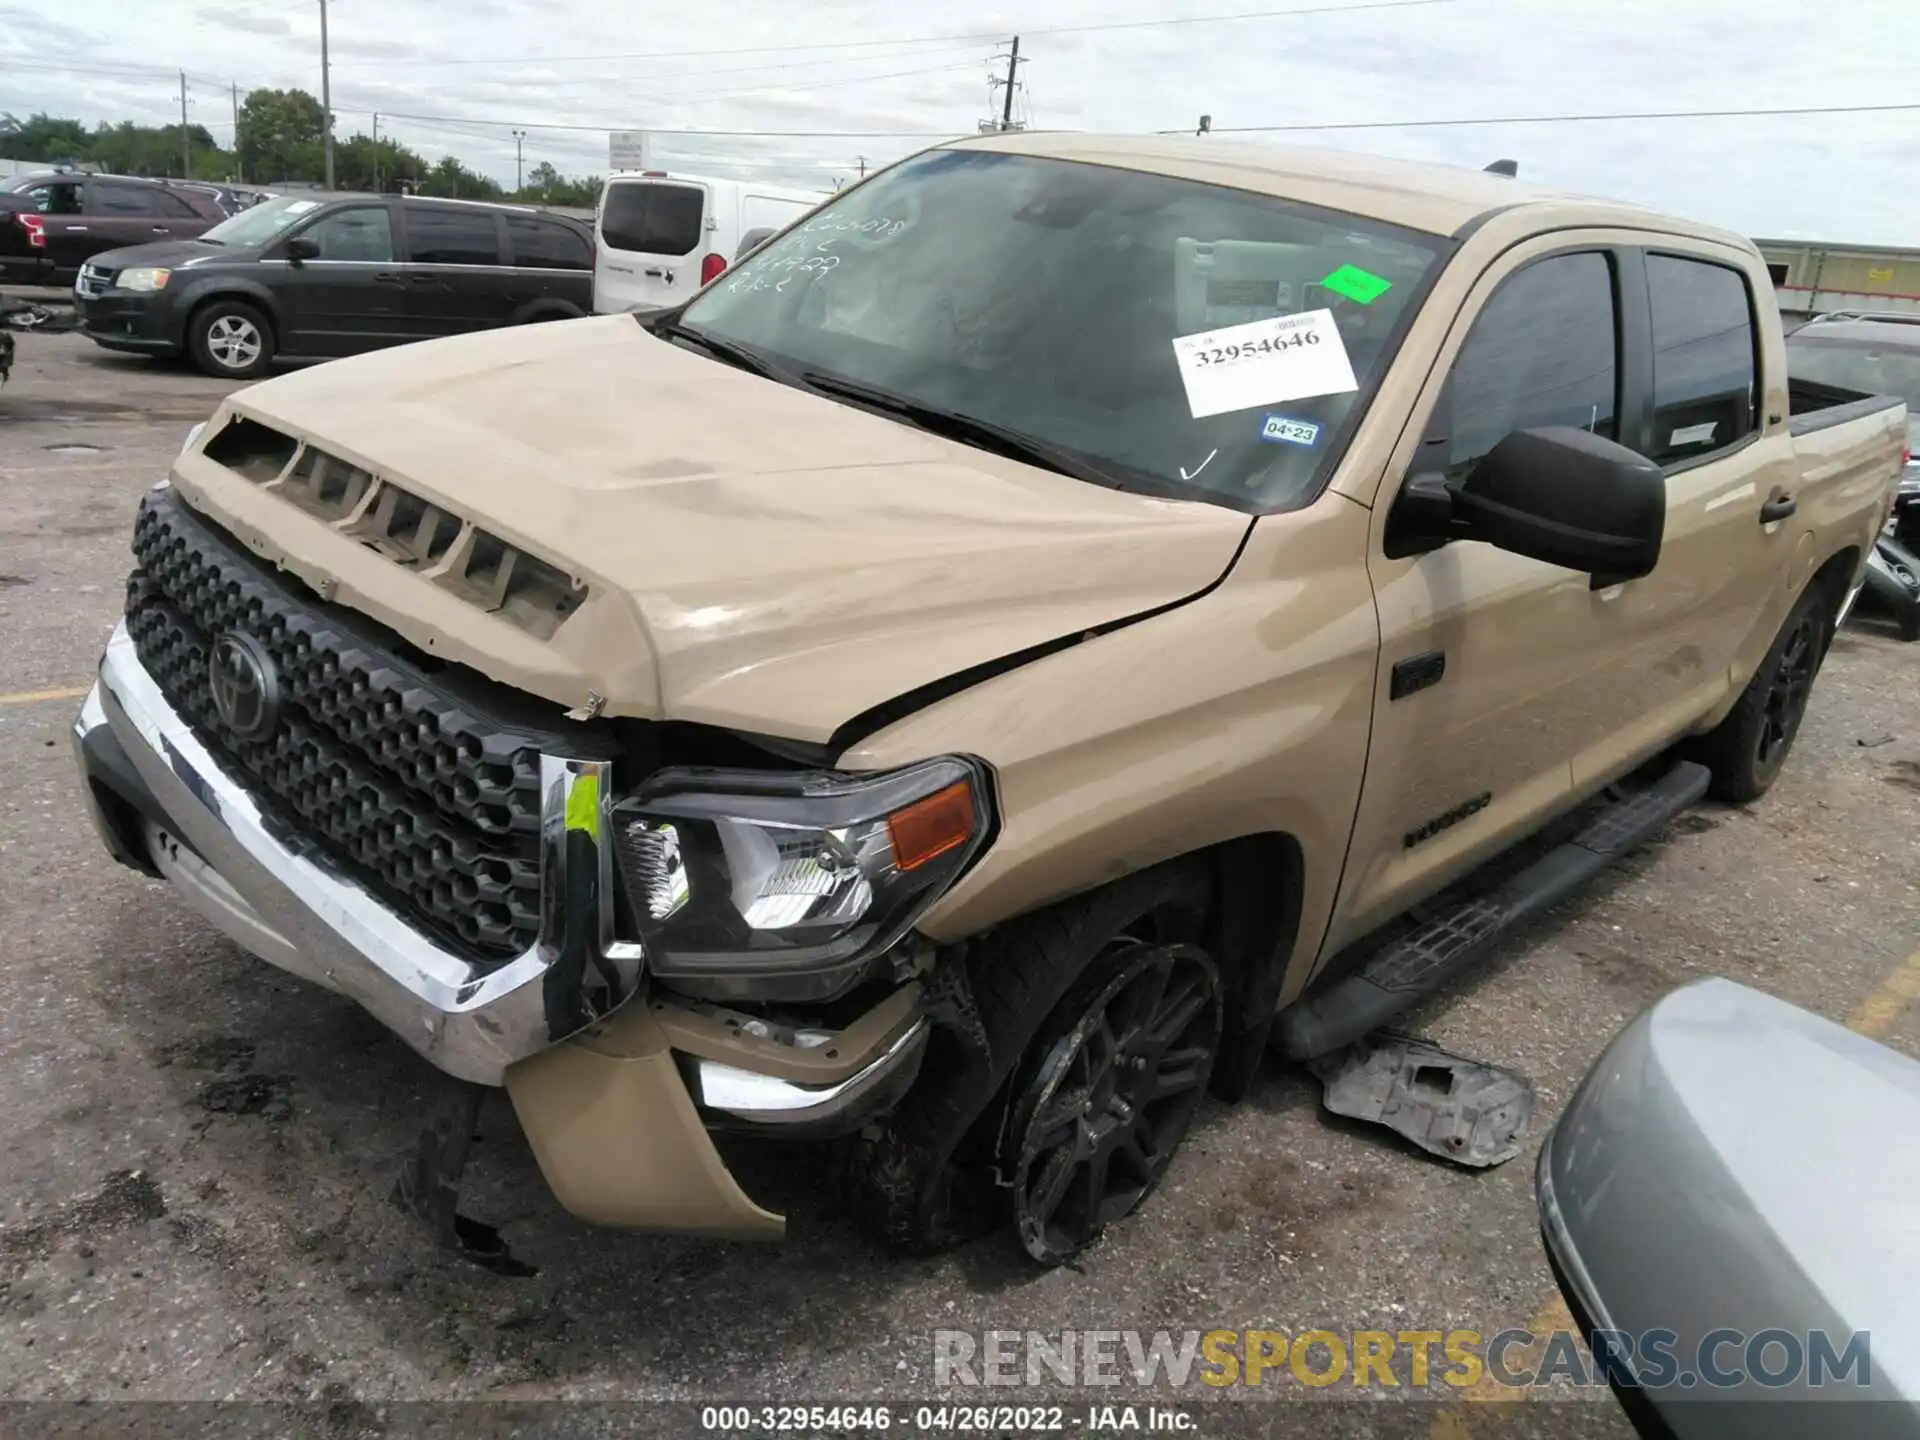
(231, 339)
(1747, 749)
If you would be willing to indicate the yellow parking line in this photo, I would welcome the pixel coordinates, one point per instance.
(34, 697)
(1881, 1011)
(1463, 1420)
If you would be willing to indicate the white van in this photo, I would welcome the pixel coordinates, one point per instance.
(659, 236)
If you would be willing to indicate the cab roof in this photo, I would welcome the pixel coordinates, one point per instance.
(1437, 199)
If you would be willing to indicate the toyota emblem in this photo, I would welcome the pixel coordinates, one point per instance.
(246, 685)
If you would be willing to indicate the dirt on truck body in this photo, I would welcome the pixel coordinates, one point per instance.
(955, 686)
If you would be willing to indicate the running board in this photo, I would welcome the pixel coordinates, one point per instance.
(1424, 961)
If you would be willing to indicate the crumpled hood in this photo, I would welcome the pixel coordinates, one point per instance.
(787, 562)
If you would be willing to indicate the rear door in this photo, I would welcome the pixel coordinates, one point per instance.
(119, 213)
(353, 295)
(552, 261)
(457, 276)
(1676, 638)
(648, 241)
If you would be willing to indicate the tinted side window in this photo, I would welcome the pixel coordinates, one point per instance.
(107, 198)
(653, 219)
(59, 198)
(452, 237)
(547, 244)
(362, 233)
(1544, 351)
(170, 204)
(1704, 376)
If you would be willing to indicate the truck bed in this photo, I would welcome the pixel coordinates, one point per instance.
(1813, 406)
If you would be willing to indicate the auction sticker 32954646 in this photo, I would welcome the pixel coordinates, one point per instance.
(1288, 357)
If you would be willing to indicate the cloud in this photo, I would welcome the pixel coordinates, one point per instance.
(826, 67)
(228, 18)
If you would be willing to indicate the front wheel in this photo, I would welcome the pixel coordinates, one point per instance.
(230, 339)
(1746, 750)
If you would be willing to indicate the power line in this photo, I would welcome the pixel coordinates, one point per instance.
(468, 120)
(979, 35)
(1551, 119)
(651, 77)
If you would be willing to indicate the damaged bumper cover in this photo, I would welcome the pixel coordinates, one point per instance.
(616, 1099)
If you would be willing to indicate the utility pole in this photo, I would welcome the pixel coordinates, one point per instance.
(326, 96)
(186, 142)
(239, 170)
(1006, 109)
(519, 157)
(376, 153)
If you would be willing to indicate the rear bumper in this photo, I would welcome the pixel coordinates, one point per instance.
(617, 1111)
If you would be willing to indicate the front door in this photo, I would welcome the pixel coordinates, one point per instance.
(1484, 693)
(648, 243)
(457, 276)
(353, 295)
(66, 233)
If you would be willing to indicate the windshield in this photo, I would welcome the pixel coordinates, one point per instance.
(261, 223)
(1864, 366)
(1180, 337)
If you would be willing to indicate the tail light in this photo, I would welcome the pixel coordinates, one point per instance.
(711, 267)
(36, 228)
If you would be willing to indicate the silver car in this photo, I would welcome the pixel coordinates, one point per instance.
(1731, 1204)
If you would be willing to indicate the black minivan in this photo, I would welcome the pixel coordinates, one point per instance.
(326, 275)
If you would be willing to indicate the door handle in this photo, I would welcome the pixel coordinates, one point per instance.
(161, 230)
(666, 275)
(1778, 508)
(76, 229)
(386, 277)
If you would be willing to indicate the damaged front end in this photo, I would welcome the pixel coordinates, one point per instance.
(645, 932)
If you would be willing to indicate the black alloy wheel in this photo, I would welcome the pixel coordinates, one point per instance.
(1112, 1096)
(1786, 701)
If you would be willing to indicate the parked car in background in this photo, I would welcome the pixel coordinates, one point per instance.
(1876, 354)
(330, 275)
(660, 236)
(231, 199)
(51, 224)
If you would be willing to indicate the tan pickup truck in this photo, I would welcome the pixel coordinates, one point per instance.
(969, 679)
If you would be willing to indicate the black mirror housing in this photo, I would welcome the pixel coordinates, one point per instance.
(1569, 498)
(301, 248)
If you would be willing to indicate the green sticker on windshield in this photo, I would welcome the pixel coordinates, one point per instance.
(1360, 286)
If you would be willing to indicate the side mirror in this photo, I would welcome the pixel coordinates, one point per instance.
(300, 248)
(1569, 498)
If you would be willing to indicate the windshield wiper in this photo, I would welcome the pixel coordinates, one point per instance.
(738, 356)
(969, 429)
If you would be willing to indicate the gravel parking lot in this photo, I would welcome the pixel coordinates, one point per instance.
(196, 1150)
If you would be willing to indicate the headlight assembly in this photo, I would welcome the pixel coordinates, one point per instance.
(142, 277)
(766, 885)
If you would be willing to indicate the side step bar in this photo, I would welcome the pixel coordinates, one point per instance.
(1423, 961)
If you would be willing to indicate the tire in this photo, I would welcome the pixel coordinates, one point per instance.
(1746, 750)
(230, 339)
(938, 1173)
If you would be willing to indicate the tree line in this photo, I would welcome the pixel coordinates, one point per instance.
(277, 138)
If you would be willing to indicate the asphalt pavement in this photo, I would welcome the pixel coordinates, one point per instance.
(196, 1150)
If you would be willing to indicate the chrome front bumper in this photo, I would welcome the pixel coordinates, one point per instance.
(245, 876)
(255, 884)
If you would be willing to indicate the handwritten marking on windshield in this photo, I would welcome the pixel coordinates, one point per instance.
(1202, 465)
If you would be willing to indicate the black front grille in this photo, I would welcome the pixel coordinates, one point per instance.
(429, 797)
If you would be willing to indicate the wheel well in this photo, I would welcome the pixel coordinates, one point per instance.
(1258, 882)
(1836, 577)
(537, 310)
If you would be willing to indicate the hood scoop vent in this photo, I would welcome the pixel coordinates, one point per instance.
(446, 549)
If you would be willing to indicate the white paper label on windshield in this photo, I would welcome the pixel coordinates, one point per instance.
(300, 207)
(1290, 357)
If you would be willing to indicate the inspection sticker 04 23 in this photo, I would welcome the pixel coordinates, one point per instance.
(1281, 430)
(1289, 357)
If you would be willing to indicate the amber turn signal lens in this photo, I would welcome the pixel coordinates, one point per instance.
(929, 828)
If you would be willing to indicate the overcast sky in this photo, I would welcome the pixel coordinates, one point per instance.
(922, 66)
